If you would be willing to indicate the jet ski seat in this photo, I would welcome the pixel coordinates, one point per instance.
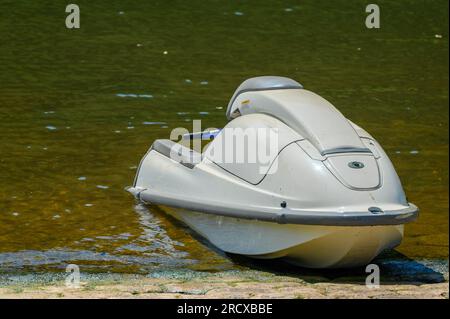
(177, 152)
(313, 117)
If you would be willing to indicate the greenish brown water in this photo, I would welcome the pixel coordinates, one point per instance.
(67, 131)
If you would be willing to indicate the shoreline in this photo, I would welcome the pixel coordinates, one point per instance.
(198, 285)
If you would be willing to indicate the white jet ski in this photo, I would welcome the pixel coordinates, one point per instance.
(327, 197)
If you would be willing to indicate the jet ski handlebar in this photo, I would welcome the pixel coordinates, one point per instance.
(205, 135)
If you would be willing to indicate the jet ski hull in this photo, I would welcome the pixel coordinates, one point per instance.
(303, 245)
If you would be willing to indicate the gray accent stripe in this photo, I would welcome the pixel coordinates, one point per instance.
(346, 150)
(257, 90)
(262, 83)
(278, 214)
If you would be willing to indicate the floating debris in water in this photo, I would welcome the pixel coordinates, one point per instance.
(29, 146)
(67, 210)
(68, 127)
(56, 217)
(164, 126)
(45, 148)
(104, 237)
(238, 13)
(165, 52)
(182, 113)
(15, 214)
(359, 49)
(132, 167)
(88, 205)
(203, 113)
(49, 112)
(438, 36)
(288, 9)
(219, 107)
(397, 152)
(121, 12)
(82, 178)
(154, 123)
(50, 127)
(117, 131)
(146, 96)
(130, 127)
(188, 81)
(414, 152)
(102, 186)
(204, 83)
(139, 44)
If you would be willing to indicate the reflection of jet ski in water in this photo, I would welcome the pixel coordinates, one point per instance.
(334, 199)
